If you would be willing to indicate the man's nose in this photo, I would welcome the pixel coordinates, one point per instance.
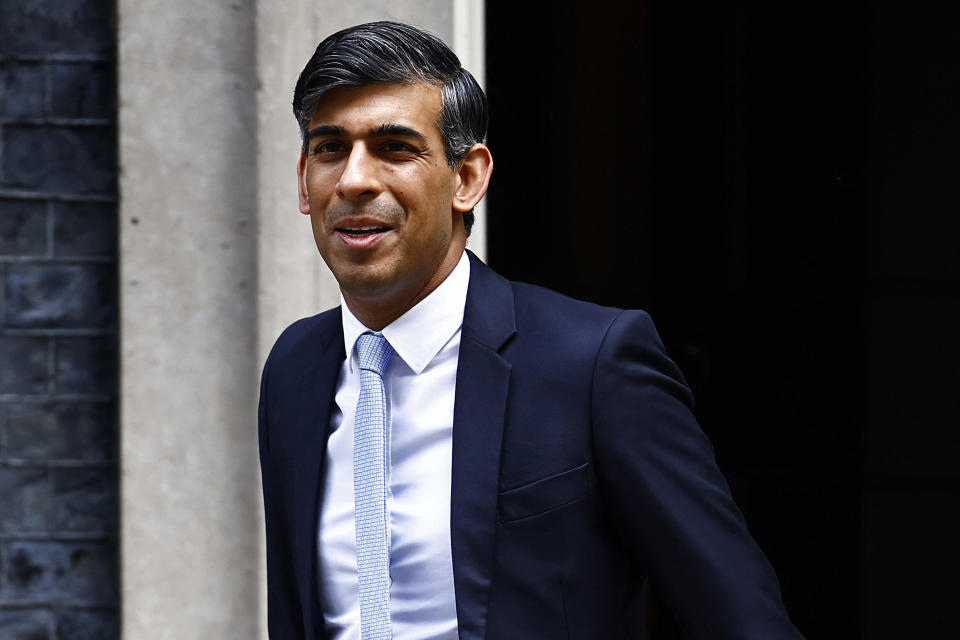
(359, 177)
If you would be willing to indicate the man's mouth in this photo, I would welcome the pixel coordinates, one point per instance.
(362, 232)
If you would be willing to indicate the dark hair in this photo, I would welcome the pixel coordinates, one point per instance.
(397, 53)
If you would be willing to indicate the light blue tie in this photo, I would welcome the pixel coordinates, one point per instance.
(370, 489)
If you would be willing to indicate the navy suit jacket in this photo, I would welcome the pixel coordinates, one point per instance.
(578, 471)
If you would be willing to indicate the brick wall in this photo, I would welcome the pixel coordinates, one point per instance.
(58, 317)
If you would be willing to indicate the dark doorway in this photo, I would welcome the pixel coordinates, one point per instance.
(773, 185)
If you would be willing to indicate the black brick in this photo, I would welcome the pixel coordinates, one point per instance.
(23, 364)
(85, 571)
(58, 295)
(34, 27)
(86, 365)
(61, 431)
(56, 62)
(87, 625)
(85, 229)
(85, 500)
(21, 89)
(55, 159)
(23, 228)
(27, 503)
(82, 90)
(28, 624)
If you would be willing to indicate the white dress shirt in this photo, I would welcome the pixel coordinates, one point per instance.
(420, 382)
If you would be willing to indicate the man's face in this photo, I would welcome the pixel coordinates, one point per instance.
(379, 193)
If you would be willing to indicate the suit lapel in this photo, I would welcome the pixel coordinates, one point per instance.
(315, 392)
(483, 378)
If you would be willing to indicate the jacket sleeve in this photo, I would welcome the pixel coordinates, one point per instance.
(656, 469)
(284, 616)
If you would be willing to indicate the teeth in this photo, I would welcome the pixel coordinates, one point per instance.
(361, 232)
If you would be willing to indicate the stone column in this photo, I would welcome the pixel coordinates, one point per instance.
(215, 260)
(188, 280)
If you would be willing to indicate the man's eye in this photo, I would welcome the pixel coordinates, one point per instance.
(396, 147)
(330, 146)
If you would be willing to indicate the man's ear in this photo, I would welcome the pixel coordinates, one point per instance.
(302, 183)
(473, 177)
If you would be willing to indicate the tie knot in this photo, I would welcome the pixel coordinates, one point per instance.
(373, 352)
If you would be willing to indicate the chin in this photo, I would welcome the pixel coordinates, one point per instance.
(365, 282)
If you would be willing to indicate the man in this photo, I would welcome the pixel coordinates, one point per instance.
(452, 455)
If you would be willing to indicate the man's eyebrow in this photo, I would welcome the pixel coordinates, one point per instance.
(391, 129)
(326, 130)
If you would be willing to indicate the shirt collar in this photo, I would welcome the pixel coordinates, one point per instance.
(419, 334)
